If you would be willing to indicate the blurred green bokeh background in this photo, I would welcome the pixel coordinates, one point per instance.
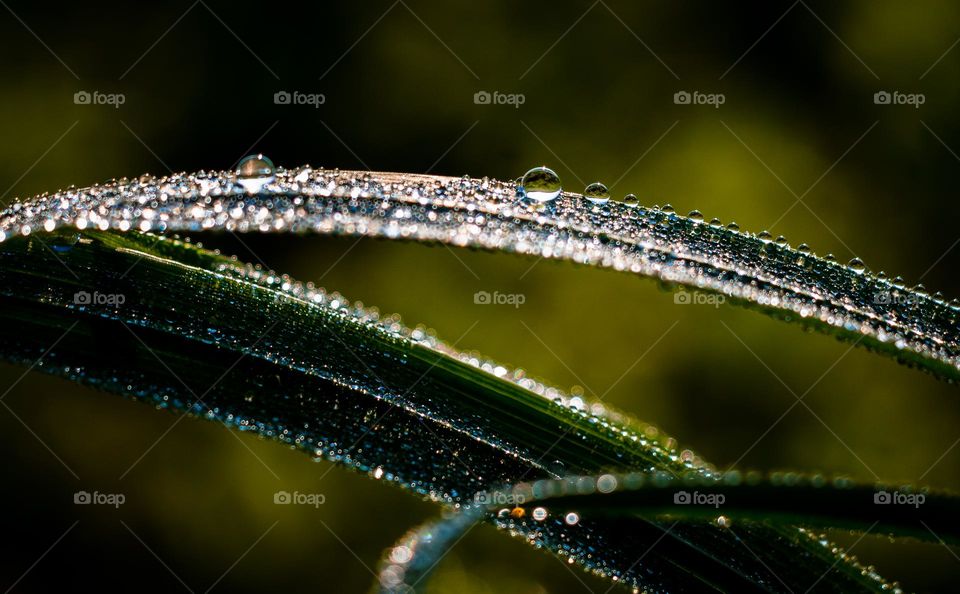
(798, 147)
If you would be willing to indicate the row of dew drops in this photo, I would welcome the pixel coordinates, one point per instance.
(542, 185)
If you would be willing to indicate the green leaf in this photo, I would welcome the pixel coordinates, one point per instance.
(732, 501)
(184, 329)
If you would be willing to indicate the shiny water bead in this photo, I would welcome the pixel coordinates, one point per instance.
(539, 514)
(572, 518)
(695, 215)
(764, 236)
(856, 265)
(732, 226)
(607, 483)
(668, 209)
(254, 172)
(540, 184)
(631, 200)
(596, 193)
(64, 242)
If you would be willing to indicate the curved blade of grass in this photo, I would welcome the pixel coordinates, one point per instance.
(916, 328)
(199, 334)
(730, 502)
(779, 498)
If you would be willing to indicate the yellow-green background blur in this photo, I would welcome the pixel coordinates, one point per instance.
(799, 121)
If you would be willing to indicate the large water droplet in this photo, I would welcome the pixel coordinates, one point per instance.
(596, 193)
(857, 265)
(254, 172)
(631, 200)
(541, 184)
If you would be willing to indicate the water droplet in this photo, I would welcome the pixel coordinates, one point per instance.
(764, 236)
(401, 554)
(607, 483)
(724, 522)
(733, 227)
(631, 200)
(254, 172)
(64, 242)
(695, 215)
(668, 209)
(803, 248)
(572, 518)
(541, 184)
(596, 193)
(539, 514)
(857, 265)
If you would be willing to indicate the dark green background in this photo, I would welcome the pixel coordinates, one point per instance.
(877, 181)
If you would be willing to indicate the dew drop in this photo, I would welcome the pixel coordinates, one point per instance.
(254, 172)
(541, 184)
(596, 193)
(857, 265)
(607, 483)
(572, 518)
(539, 514)
(668, 209)
(401, 554)
(695, 215)
(724, 522)
(631, 200)
(64, 242)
